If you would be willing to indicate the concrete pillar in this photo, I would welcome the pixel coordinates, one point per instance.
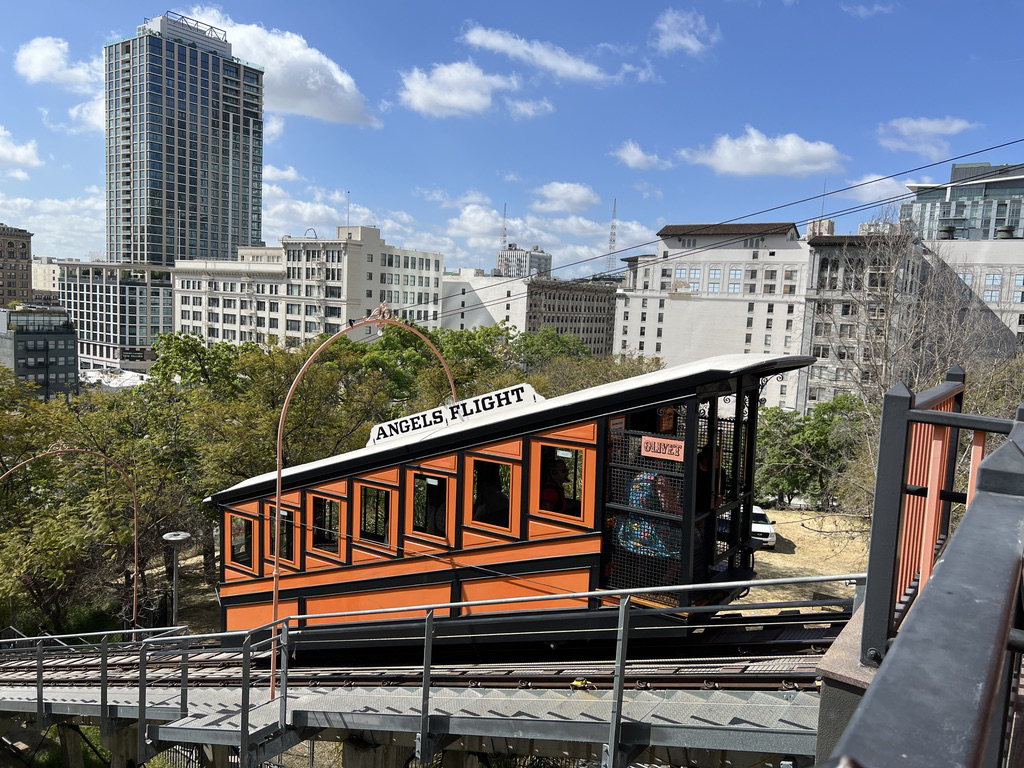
(454, 759)
(70, 746)
(387, 756)
(122, 744)
(844, 679)
(214, 756)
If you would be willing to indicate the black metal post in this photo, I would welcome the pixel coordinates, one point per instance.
(886, 523)
(613, 750)
(424, 744)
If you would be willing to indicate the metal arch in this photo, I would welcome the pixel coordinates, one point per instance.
(380, 317)
(61, 448)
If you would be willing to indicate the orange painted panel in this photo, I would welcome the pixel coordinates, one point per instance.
(529, 585)
(581, 433)
(362, 556)
(543, 529)
(511, 449)
(387, 476)
(445, 463)
(364, 601)
(252, 616)
(337, 488)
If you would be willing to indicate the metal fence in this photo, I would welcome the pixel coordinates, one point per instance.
(947, 692)
(910, 525)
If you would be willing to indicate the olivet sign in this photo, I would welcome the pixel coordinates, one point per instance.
(503, 399)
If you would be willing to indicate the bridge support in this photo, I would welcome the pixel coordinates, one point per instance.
(70, 746)
(214, 756)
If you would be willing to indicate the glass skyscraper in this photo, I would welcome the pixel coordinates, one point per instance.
(184, 167)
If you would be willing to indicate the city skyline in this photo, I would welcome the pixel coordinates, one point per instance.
(428, 121)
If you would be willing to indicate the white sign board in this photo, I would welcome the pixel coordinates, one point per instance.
(507, 399)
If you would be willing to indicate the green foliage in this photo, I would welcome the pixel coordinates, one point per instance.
(809, 455)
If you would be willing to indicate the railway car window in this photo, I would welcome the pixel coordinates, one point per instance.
(287, 537)
(561, 480)
(491, 483)
(326, 516)
(374, 514)
(241, 541)
(429, 495)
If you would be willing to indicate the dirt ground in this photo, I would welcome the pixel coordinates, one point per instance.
(809, 545)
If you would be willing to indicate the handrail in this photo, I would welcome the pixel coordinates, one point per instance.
(942, 695)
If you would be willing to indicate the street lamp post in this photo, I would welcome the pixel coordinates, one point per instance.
(177, 539)
(380, 317)
(61, 449)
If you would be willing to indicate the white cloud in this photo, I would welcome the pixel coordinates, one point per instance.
(67, 228)
(273, 173)
(18, 174)
(12, 153)
(459, 89)
(754, 154)
(922, 135)
(648, 191)
(510, 176)
(284, 214)
(445, 200)
(45, 60)
(544, 56)
(82, 118)
(558, 196)
(273, 127)
(877, 189)
(480, 225)
(630, 154)
(686, 31)
(300, 80)
(524, 110)
(867, 11)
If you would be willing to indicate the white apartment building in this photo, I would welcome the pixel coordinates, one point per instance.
(717, 289)
(583, 308)
(994, 271)
(519, 262)
(306, 287)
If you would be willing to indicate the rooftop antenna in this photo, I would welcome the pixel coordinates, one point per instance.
(504, 236)
(610, 265)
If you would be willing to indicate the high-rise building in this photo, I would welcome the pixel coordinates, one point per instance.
(184, 141)
(15, 265)
(519, 262)
(980, 202)
(184, 122)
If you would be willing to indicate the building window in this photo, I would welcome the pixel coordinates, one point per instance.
(287, 537)
(991, 295)
(734, 287)
(326, 520)
(491, 484)
(429, 505)
(374, 514)
(994, 278)
(241, 541)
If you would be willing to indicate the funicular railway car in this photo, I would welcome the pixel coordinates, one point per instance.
(638, 483)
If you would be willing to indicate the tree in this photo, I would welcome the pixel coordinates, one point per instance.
(783, 471)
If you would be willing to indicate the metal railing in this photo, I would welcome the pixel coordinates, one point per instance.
(285, 633)
(913, 496)
(947, 692)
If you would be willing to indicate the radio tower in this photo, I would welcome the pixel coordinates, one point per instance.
(610, 265)
(504, 239)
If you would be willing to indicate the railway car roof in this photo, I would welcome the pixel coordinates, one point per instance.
(606, 399)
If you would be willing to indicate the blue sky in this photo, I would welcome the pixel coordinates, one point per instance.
(426, 119)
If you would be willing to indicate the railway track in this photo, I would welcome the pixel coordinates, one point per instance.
(216, 667)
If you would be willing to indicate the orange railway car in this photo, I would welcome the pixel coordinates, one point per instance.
(638, 483)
